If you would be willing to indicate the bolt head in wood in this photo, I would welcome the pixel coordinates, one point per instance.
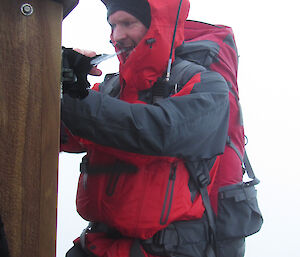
(27, 9)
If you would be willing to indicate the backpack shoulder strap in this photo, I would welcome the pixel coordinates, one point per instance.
(183, 70)
(111, 85)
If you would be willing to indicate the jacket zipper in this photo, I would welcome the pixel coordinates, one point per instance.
(169, 195)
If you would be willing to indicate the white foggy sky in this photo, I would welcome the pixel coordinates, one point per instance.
(267, 37)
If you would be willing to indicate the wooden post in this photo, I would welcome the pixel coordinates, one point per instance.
(30, 58)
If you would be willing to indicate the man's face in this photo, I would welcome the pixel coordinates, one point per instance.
(127, 31)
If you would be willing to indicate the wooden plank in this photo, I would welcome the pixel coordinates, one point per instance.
(29, 125)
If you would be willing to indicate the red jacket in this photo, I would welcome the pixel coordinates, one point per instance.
(137, 180)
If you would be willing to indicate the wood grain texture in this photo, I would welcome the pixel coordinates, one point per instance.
(30, 56)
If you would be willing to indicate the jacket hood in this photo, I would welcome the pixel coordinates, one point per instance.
(149, 59)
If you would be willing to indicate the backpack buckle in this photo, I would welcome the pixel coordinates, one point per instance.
(203, 180)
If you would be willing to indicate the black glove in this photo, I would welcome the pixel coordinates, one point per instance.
(75, 68)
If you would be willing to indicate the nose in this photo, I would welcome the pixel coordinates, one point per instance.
(118, 34)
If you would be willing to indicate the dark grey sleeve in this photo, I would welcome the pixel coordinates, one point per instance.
(191, 126)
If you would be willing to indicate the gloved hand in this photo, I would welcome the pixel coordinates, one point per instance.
(75, 68)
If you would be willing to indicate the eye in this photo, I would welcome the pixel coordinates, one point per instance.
(127, 23)
(112, 26)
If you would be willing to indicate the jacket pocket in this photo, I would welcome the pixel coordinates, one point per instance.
(238, 212)
(168, 195)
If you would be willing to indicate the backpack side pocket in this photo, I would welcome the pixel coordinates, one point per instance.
(238, 212)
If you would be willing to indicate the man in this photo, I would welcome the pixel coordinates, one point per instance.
(152, 144)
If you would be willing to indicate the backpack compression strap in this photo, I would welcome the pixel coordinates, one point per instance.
(199, 172)
(248, 168)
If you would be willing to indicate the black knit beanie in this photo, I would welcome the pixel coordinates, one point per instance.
(138, 8)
